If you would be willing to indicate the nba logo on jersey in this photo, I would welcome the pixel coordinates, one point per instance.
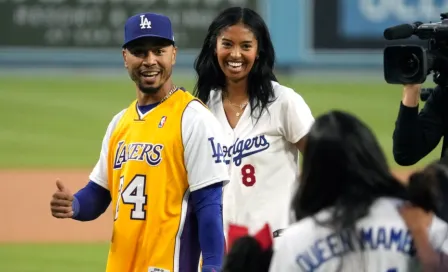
(162, 121)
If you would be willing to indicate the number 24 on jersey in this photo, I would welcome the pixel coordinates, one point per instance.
(133, 194)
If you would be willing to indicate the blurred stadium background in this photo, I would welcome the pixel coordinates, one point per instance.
(62, 80)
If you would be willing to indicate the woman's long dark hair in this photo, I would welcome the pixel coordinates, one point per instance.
(345, 168)
(209, 73)
(345, 171)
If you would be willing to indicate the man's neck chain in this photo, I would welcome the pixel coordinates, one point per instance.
(173, 90)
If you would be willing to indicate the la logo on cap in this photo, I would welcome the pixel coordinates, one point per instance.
(144, 22)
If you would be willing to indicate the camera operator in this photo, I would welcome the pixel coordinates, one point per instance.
(417, 133)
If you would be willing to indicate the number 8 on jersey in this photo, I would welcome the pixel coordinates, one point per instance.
(248, 175)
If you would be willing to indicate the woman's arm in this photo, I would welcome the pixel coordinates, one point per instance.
(418, 222)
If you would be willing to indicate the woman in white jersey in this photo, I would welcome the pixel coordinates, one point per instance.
(266, 122)
(347, 206)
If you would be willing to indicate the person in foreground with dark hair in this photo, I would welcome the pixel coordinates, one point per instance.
(347, 206)
(246, 252)
(418, 218)
(266, 123)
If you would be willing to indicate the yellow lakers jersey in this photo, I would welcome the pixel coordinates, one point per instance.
(154, 228)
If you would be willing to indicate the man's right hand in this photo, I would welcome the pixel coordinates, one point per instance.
(411, 95)
(61, 203)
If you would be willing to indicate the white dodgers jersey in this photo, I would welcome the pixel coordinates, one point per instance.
(386, 242)
(262, 159)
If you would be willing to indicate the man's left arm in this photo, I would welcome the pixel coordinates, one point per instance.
(206, 177)
(208, 208)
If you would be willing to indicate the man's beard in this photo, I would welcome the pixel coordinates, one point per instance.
(144, 89)
(148, 90)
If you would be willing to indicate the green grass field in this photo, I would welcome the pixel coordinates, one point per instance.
(59, 121)
(53, 257)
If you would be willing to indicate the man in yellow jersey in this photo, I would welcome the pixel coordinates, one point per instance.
(156, 167)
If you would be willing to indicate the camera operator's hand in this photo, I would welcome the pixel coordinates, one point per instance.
(411, 95)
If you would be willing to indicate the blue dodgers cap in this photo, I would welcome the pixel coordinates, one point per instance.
(145, 25)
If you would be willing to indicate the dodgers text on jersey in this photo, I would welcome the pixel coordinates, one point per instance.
(239, 150)
(147, 152)
(337, 244)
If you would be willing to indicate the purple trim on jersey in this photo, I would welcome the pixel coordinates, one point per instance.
(190, 250)
(144, 109)
(203, 230)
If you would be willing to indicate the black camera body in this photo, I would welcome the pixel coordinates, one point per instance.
(411, 64)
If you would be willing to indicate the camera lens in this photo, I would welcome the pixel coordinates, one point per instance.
(409, 65)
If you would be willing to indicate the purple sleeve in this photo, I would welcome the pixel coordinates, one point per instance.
(90, 202)
(208, 208)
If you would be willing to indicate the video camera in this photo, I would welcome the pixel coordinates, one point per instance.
(411, 64)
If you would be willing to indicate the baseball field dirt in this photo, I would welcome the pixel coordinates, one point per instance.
(24, 208)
